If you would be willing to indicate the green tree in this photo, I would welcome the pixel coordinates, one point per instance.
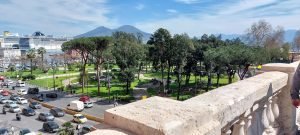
(101, 45)
(161, 40)
(67, 129)
(127, 52)
(84, 47)
(31, 54)
(182, 46)
(41, 51)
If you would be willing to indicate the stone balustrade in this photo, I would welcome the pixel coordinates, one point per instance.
(259, 105)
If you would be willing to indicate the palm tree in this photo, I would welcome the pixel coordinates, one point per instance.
(41, 51)
(31, 55)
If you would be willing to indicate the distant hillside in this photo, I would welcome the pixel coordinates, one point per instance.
(288, 35)
(103, 31)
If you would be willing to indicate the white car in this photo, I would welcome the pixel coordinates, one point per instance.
(22, 92)
(88, 104)
(14, 108)
(79, 118)
(3, 100)
(20, 84)
(22, 100)
(1, 90)
(10, 103)
(10, 82)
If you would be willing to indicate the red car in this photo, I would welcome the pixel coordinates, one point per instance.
(84, 98)
(5, 93)
(2, 78)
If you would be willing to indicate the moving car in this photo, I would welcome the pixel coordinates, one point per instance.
(87, 128)
(50, 127)
(22, 92)
(14, 108)
(57, 112)
(76, 106)
(38, 98)
(35, 105)
(84, 98)
(22, 100)
(33, 90)
(79, 118)
(4, 131)
(5, 93)
(46, 117)
(51, 95)
(28, 112)
(26, 131)
(10, 103)
(88, 104)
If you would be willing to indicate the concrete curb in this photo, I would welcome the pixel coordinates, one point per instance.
(89, 117)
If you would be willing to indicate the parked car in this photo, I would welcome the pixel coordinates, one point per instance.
(10, 103)
(76, 106)
(9, 81)
(86, 129)
(20, 84)
(14, 97)
(57, 112)
(28, 111)
(51, 95)
(88, 104)
(38, 98)
(46, 117)
(3, 100)
(33, 90)
(14, 108)
(5, 84)
(50, 127)
(22, 100)
(84, 98)
(5, 93)
(35, 105)
(22, 92)
(26, 131)
(4, 131)
(79, 118)
(2, 78)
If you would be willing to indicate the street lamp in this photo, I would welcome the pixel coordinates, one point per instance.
(53, 72)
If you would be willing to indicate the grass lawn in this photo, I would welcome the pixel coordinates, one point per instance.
(49, 82)
(37, 73)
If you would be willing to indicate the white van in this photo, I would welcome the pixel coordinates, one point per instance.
(76, 106)
(22, 92)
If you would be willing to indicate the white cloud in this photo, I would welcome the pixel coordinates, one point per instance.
(187, 1)
(233, 18)
(172, 11)
(140, 7)
(70, 17)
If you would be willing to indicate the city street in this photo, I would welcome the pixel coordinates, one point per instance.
(32, 123)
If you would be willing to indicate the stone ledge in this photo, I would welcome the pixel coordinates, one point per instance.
(204, 114)
(282, 67)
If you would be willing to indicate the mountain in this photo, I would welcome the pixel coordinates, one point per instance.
(288, 35)
(103, 31)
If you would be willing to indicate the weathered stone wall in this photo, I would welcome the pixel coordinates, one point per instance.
(218, 111)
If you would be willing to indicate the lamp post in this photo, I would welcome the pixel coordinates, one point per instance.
(108, 81)
(53, 72)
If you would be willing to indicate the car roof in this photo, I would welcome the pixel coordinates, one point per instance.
(78, 114)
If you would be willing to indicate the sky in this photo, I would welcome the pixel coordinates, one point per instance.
(194, 17)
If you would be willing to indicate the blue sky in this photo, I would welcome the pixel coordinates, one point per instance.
(195, 17)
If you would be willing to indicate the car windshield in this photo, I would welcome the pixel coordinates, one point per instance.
(35, 103)
(57, 110)
(29, 110)
(15, 107)
(53, 125)
(47, 114)
(81, 117)
(25, 131)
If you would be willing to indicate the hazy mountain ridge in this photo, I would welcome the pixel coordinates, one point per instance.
(288, 35)
(104, 31)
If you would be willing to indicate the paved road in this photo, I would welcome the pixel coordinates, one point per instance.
(31, 122)
(64, 99)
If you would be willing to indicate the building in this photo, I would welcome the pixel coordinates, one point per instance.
(36, 40)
